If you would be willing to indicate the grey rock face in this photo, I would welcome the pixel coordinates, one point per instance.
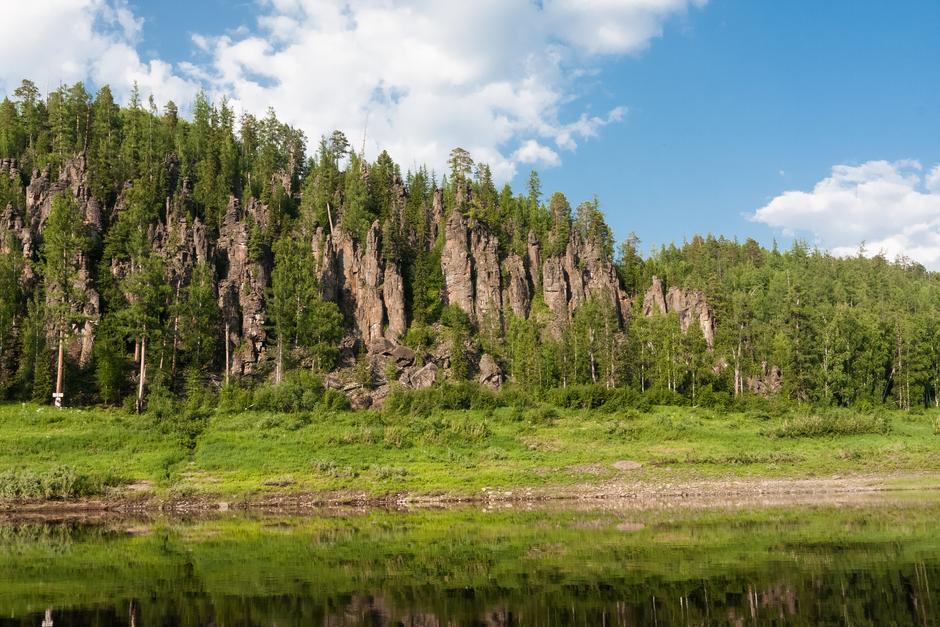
(393, 294)
(421, 378)
(516, 295)
(456, 264)
(654, 301)
(484, 248)
(242, 287)
(768, 382)
(691, 306)
(27, 226)
(491, 375)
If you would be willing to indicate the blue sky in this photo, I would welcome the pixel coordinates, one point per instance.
(735, 117)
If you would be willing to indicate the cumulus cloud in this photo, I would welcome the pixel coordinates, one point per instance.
(57, 42)
(891, 207)
(415, 77)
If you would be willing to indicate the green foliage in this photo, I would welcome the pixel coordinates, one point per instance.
(64, 241)
(58, 482)
(830, 424)
(111, 362)
(303, 320)
(446, 396)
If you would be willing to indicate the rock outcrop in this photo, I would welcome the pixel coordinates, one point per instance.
(484, 249)
(456, 264)
(690, 306)
(517, 296)
(368, 289)
(242, 287)
(768, 382)
(583, 272)
(491, 375)
(22, 226)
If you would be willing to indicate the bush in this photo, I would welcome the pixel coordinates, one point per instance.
(664, 396)
(706, 396)
(446, 396)
(579, 396)
(59, 482)
(542, 415)
(300, 390)
(830, 424)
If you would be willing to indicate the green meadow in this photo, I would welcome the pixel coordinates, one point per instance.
(49, 453)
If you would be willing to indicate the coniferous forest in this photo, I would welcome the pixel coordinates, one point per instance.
(146, 254)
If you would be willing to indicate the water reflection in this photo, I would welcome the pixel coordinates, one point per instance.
(805, 565)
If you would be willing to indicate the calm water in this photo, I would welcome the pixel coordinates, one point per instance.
(855, 565)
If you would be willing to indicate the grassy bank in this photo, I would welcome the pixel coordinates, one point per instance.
(48, 453)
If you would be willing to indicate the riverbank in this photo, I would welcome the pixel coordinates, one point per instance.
(715, 493)
(111, 460)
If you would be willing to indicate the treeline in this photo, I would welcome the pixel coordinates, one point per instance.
(800, 323)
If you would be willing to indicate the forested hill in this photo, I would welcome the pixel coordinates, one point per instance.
(173, 254)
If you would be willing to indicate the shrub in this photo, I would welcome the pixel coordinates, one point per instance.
(745, 458)
(664, 396)
(300, 390)
(390, 472)
(626, 399)
(830, 424)
(59, 482)
(330, 468)
(542, 415)
(579, 396)
(446, 396)
(706, 396)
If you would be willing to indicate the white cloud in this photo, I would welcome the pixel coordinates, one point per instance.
(415, 77)
(532, 152)
(55, 42)
(890, 206)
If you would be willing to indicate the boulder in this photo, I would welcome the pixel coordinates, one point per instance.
(422, 378)
(491, 375)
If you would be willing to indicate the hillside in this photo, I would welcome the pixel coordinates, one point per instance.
(173, 255)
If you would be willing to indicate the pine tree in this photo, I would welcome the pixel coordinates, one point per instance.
(65, 242)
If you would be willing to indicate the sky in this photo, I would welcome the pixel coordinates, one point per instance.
(772, 120)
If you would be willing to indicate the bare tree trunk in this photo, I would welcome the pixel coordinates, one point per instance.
(143, 373)
(57, 397)
(226, 354)
(279, 367)
(176, 326)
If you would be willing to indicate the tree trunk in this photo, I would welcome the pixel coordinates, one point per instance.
(176, 324)
(58, 398)
(226, 354)
(143, 373)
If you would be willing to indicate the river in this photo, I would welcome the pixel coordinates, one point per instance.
(603, 564)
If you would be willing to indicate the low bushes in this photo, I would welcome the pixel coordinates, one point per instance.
(60, 482)
(446, 396)
(829, 424)
(606, 400)
(300, 391)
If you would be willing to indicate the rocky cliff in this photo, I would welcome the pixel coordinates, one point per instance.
(691, 306)
(22, 226)
(364, 275)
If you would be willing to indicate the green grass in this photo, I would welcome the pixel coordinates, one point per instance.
(454, 452)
